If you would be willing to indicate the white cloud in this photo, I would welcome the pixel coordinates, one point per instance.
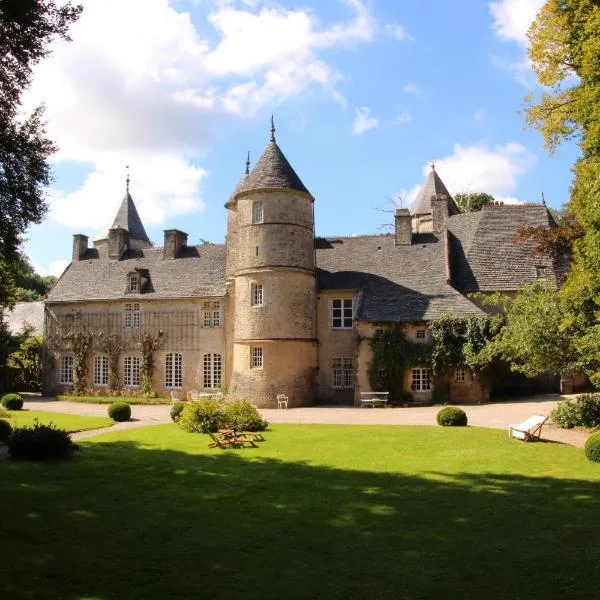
(403, 118)
(363, 121)
(412, 89)
(512, 18)
(398, 32)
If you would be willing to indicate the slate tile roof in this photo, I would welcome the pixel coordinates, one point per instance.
(128, 218)
(486, 255)
(398, 283)
(199, 272)
(433, 185)
(26, 313)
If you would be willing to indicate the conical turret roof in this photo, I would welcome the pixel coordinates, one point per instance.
(433, 185)
(128, 218)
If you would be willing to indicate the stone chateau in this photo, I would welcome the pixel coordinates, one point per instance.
(275, 309)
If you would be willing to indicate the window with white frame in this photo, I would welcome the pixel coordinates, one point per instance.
(257, 213)
(421, 334)
(131, 371)
(66, 370)
(256, 357)
(132, 318)
(213, 371)
(173, 370)
(342, 372)
(256, 292)
(421, 380)
(211, 314)
(100, 370)
(134, 283)
(341, 313)
(459, 374)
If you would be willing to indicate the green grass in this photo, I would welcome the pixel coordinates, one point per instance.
(24, 418)
(111, 399)
(313, 512)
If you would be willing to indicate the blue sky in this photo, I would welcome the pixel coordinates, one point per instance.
(365, 95)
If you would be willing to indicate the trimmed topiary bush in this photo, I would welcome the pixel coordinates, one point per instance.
(5, 430)
(582, 412)
(4, 414)
(39, 442)
(451, 416)
(119, 411)
(176, 410)
(592, 447)
(202, 417)
(241, 415)
(12, 401)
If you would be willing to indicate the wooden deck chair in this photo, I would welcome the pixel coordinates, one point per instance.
(230, 439)
(529, 430)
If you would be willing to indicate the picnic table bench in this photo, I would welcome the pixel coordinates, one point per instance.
(373, 399)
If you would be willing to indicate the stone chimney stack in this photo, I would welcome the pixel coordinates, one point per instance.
(439, 212)
(80, 246)
(403, 226)
(175, 242)
(118, 242)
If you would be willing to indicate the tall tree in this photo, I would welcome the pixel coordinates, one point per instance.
(565, 55)
(472, 201)
(27, 27)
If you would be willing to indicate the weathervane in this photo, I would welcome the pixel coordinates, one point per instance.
(127, 179)
(248, 163)
(272, 128)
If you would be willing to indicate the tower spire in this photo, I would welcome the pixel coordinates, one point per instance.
(248, 163)
(272, 128)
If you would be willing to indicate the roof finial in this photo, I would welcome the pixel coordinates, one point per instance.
(272, 128)
(127, 179)
(543, 200)
(248, 163)
(432, 166)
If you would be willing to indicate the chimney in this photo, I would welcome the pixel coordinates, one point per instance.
(403, 221)
(118, 242)
(80, 246)
(175, 242)
(439, 212)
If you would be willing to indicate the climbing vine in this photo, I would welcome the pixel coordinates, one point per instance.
(147, 345)
(112, 345)
(79, 345)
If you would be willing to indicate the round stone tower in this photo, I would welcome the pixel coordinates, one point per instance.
(272, 287)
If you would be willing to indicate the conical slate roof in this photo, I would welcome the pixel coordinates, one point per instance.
(433, 185)
(128, 218)
(272, 171)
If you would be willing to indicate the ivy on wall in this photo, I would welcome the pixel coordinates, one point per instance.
(112, 345)
(147, 345)
(79, 345)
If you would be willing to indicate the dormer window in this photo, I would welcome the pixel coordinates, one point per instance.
(134, 283)
(257, 213)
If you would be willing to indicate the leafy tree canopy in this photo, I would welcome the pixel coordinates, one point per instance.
(472, 201)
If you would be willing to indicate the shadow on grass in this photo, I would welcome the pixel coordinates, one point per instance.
(126, 521)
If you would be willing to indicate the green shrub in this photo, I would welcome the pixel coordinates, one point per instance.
(592, 447)
(582, 412)
(5, 430)
(241, 415)
(451, 416)
(12, 401)
(4, 414)
(39, 441)
(176, 410)
(119, 411)
(202, 417)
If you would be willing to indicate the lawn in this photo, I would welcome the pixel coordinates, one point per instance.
(23, 418)
(314, 512)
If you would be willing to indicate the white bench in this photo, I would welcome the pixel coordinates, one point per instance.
(373, 399)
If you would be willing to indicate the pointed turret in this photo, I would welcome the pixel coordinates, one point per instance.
(128, 219)
(432, 187)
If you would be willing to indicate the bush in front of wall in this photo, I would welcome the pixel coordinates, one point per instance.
(242, 416)
(581, 412)
(451, 416)
(39, 442)
(206, 416)
(5, 430)
(176, 411)
(12, 401)
(592, 447)
(119, 411)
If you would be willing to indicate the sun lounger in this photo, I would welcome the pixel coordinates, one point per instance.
(529, 430)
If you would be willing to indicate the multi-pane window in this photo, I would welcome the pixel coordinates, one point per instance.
(342, 372)
(134, 283)
(540, 271)
(256, 358)
(133, 316)
(213, 371)
(421, 380)
(256, 291)
(173, 370)
(211, 314)
(421, 334)
(257, 212)
(66, 369)
(459, 374)
(341, 315)
(131, 371)
(101, 370)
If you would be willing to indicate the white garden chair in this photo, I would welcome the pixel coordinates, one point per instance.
(282, 401)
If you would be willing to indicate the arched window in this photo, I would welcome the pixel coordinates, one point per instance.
(173, 370)
(213, 371)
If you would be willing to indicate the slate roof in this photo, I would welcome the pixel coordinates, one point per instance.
(398, 283)
(433, 185)
(198, 273)
(272, 171)
(486, 255)
(128, 218)
(26, 313)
